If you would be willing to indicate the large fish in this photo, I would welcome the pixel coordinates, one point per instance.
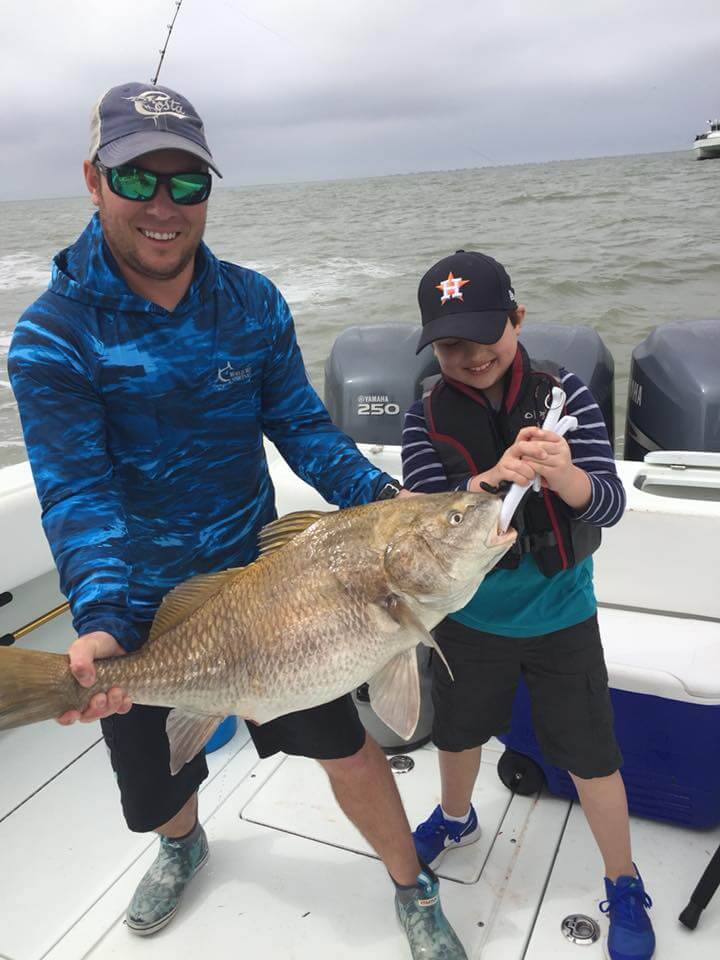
(334, 599)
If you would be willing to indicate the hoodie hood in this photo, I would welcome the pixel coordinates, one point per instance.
(87, 273)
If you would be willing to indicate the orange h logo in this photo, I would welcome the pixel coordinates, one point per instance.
(451, 288)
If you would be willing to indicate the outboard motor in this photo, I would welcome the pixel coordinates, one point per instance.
(581, 351)
(373, 376)
(674, 390)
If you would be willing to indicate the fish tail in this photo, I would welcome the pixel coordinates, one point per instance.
(33, 686)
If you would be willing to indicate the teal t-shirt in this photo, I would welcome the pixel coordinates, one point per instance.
(524, 603)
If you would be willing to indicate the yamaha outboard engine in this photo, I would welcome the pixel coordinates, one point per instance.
(373, 376)
(581, 351)
(674, 390)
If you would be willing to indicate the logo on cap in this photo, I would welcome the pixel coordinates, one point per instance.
(153, 103)
(451, 288)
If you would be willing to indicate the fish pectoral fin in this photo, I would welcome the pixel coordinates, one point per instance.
(395, 694)
(188, 733)
(403, 615)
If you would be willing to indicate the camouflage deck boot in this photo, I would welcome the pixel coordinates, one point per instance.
(158, 894)
(429, 934)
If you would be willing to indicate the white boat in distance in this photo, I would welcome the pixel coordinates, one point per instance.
(707, 145)
(288, 876)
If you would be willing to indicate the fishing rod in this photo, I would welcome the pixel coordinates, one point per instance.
(178, 4)
(9, 638)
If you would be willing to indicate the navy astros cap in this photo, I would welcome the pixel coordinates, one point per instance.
(467, 295)
(136, 118)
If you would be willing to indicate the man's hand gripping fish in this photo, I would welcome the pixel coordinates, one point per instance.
(334, 599)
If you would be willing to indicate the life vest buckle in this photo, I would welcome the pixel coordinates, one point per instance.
(533, 542)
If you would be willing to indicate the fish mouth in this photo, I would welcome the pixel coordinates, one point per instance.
(498, 539)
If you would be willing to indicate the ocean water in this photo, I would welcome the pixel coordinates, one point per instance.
(622, 244)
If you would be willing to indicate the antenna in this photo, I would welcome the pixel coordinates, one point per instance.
(178, 4)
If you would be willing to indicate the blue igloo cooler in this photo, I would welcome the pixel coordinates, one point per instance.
(665, 690)
(656, 578)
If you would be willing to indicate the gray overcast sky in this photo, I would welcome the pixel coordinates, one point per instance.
(293, 90)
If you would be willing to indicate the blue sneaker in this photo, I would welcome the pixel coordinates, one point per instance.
(437, 835)
(429, 934)
(631, 934)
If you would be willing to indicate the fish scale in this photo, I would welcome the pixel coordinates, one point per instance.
(336, 600)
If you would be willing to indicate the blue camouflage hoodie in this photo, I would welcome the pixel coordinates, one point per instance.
(144, 429)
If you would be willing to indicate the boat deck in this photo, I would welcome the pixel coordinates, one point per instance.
(288, 876)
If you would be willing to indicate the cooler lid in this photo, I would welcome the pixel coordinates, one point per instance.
(673, 657)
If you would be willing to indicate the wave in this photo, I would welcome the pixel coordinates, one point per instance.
(333, 279)
(554, 196)
(22, 270)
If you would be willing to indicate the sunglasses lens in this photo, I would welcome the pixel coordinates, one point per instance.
(133, 183)
(190, 187)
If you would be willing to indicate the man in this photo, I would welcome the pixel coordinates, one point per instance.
(146, 377)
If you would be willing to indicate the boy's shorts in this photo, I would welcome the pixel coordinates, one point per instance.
(566, 675)
(140, 754)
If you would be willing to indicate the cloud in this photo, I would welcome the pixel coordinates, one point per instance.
(319, 89)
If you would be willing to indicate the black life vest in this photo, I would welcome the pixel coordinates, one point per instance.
(470, 437)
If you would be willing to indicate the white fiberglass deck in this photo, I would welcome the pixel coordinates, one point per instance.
(288, 876)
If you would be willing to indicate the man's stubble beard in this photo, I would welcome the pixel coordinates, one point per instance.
(127, 257)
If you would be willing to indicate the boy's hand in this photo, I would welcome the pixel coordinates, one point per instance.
(554, 463)
(516, 464)
(556, 468)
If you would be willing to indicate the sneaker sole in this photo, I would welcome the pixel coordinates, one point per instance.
(464, 842)
(146, 930)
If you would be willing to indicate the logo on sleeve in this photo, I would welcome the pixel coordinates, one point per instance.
(228, 374)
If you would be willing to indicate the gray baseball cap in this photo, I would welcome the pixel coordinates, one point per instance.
(136, 118)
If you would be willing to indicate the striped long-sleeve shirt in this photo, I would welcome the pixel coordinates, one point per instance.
(522, 602)
(589, 447)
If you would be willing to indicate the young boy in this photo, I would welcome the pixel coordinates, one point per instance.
(477, 426)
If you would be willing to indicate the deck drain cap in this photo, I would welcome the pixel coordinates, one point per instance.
(577, 928)
(401, 763)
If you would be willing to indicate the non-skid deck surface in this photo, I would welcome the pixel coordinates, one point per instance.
(288, 877)
(670, 860)
(282, 894)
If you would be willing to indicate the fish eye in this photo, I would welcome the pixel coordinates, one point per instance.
(455, 518)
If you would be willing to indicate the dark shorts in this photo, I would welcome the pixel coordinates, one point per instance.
(140, 754)
(566, 675)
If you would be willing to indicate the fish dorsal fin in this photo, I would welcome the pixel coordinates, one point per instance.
(276, 534)
(181, 602)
